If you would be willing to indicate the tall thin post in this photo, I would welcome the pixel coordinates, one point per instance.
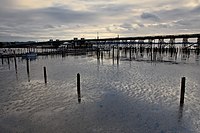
(125, 51)
(118, 56)
(28, 71)
(182, 91)
(151, 52)
(78, 88)
(130, 53)
(15, 60)
(45, 75)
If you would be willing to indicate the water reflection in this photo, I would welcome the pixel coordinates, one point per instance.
(8, 59)
(180, 113)
(130, 96)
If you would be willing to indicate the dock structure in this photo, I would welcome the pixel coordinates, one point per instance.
(161, 40)
(185, 41)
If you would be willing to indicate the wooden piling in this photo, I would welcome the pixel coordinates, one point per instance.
(130, 53)
(151, 53)
(182, 91)
(28, 71)
(78, 88)
(15, 60)
(125, 51)
(117, 55)
(45, 75)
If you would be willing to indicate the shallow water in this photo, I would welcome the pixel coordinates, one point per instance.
(132, 96)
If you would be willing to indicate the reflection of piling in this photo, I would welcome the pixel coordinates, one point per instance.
(15, 60)
(113, 52)
(78, 88)
(2, 60)
(98, 53)
(182, 91)
(8, 62)
(109, 53)
(180, 113)
(45, 75)
(101, 55)
(28, 71)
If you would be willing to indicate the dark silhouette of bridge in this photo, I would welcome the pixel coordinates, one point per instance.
(160, 40)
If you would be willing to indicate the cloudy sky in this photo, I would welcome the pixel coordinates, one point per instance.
(25, 20)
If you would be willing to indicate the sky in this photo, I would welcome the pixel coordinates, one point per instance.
(41, 20)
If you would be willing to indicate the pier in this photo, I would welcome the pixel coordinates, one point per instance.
(185, 42)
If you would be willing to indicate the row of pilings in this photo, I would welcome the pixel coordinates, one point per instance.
(154, 53)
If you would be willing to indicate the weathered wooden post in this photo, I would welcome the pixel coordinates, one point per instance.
(78, 88)
(28, 71)
(118, 55)
(113, 51)
(45, 75)
(151, 52)
(15, 62)
(182, 91)
(125, 51)
(130, 53)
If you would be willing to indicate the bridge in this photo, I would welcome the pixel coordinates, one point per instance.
(160, 41)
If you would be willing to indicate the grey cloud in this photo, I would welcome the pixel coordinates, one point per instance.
(150, 16)
(196, 10)
(39, 21)
(51, 14)
(48, 26)
(188, 23)
(66, 15)
(112, 9)
(127, 26)
(63, 20)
